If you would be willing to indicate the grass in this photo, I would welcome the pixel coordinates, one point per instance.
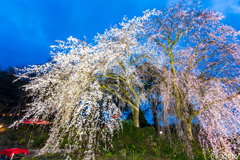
(141, 143)
(131, 144)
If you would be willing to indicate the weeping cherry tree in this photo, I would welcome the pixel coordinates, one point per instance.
(202, 75)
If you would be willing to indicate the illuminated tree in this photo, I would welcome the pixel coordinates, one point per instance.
(66, 85)
(71, 85)
(202, 80)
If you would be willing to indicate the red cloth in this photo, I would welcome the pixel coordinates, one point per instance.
(115, 116)
(10, 151)
(35, 121)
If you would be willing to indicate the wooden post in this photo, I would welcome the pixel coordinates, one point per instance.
(12, 156)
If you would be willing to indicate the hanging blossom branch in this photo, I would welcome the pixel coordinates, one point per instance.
(65, 86)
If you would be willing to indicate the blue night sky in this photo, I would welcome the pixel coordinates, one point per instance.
(29, 27)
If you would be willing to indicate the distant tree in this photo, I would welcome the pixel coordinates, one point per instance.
(11, 94)
(146, 73)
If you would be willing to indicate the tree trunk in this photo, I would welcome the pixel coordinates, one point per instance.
(188, 129)
(155, 124)
(135, 113)
(135, 108)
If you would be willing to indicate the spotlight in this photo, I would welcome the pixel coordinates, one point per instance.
(10, 114)
(3, 114)
(161, 132)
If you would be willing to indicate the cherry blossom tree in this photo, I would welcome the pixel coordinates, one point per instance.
(70, 85)
(202, 80)
(66, 85)
(125, 52)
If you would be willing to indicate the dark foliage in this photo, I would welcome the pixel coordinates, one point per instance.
(11, 94)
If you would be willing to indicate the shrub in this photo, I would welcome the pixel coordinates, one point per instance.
(22, 141)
